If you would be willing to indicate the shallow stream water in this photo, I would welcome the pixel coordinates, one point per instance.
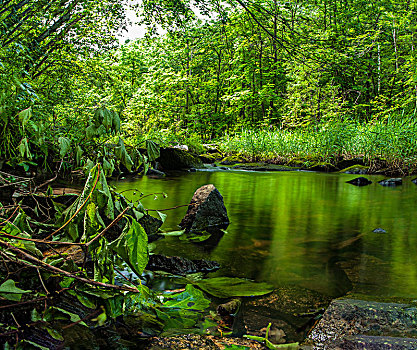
(305, 229)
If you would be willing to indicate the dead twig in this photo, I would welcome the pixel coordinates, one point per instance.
(54, 269)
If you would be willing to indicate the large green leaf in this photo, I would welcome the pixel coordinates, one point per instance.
(122, 155)
(191, 298)
(64, 146)
(24, 116)
(226, 287)
(153, 150)
(132, 246)
(183, 310)
(9, 290)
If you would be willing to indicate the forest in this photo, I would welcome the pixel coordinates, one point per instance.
(310, 82)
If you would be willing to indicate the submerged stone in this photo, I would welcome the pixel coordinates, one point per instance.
(391, 182)
(359, 181)
(206, 211)
(180, 266)
(291, 309)
(346, 317)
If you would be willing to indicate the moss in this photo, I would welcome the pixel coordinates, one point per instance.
(210, 157)
(322, 166)
(231, 160)
(355, 169)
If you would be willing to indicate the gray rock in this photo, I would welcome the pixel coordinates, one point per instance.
(346, 317)
(391, 182)
(359, 181)
(206, 211)
(365, 342)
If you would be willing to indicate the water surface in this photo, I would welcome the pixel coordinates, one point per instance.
(300, 228)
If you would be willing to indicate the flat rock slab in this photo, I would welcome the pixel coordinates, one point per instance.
(365, 342)
(353, 317)
(206, 211)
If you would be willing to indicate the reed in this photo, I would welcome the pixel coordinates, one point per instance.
(390, 143)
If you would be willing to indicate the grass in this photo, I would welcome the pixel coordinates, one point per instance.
(389, 144)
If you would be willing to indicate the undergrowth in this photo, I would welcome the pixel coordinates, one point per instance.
(389, 143)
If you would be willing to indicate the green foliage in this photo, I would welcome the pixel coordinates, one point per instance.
(91, 225)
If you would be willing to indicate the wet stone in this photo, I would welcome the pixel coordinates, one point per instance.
(180, 266)
(364, 342)
(391, 182)
(206, 211)
(359, 181)
(346, 317)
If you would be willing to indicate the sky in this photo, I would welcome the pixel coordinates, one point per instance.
(134, 30)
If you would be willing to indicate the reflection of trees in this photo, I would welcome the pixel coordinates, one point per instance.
(304, 228)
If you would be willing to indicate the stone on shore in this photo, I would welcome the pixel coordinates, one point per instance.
(178, 159)
(347, 317)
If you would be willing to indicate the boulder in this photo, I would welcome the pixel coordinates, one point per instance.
(346, 317)
(359, 181)
(391, 182)
(206, 211)
(177, 159)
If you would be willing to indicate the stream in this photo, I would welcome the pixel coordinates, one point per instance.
(295, 228)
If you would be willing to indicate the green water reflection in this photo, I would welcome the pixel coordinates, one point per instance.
(302, 228)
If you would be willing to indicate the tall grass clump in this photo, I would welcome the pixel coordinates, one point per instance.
(390, 143)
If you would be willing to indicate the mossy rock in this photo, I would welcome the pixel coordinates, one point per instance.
(232, 160)
(322, 166)
(209, 158)
(178, 159)
(356, 169)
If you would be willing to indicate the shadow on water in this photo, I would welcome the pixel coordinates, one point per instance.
(303, 229)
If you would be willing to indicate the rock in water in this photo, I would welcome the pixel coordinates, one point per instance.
(391, 182)
(359, 181)
(206, 211)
